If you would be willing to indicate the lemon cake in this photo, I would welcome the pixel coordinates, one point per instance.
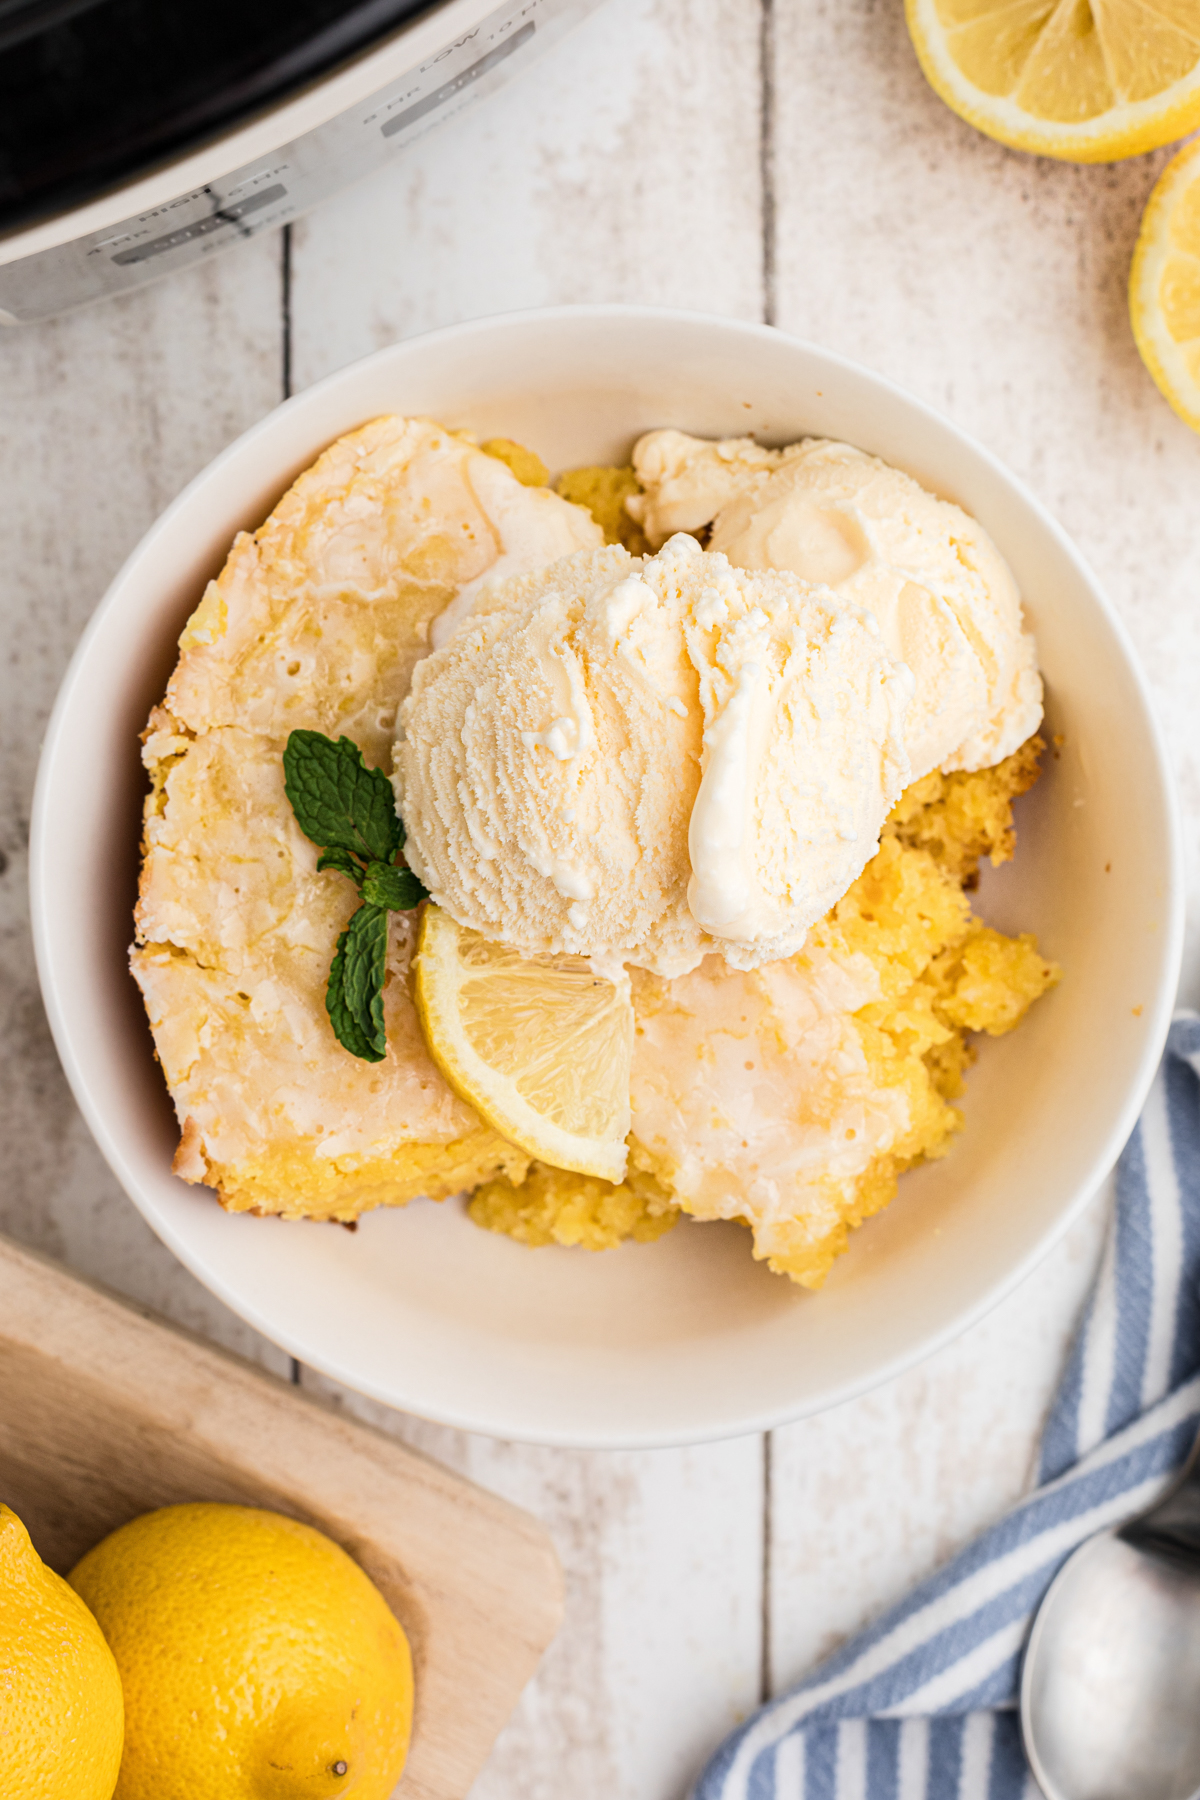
(315, 622)
(785, 1091)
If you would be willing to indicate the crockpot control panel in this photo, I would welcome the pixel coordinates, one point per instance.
(273, 188)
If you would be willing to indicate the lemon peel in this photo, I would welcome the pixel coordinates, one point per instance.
(258, 1661)
(61, 1710)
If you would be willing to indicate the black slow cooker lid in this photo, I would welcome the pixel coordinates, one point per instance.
(93, 92)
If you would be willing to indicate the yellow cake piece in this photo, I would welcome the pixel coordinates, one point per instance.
(553, 1207)
(316, 620)
(963, 818)
(794, 1097)
(604, 492)
(526, 465)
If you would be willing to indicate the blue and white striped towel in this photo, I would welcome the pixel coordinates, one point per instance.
(922, 1705)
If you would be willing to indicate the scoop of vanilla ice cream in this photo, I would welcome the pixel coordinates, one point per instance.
(646, 759)
(945, 599)
(532, 527)
(687, 480)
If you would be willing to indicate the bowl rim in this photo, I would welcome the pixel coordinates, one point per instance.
(924, 1344)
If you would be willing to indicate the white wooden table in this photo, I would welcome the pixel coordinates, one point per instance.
(743, 157)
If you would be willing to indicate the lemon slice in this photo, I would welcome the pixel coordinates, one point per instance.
(1085, 80)
(540, 1046)
(1164, 285)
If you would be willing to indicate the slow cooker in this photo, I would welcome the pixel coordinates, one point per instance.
(139, 135)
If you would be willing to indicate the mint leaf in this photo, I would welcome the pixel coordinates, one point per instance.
(339, 803)
(343, 862)
(365, 965)
(386, 885)
(345, 1025)
(349, 812)
(354, 997)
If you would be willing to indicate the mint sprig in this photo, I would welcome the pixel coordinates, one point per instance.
(349, 812)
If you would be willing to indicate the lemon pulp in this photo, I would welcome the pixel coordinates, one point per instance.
(1164, 285)
(1084, 80)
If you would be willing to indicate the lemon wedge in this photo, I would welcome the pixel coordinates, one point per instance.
(1085, 80)
(540, 1046)
(1164, 285)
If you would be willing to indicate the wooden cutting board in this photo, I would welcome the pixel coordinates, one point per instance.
(106, 1411)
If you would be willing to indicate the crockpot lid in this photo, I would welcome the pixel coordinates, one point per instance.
(93, 92)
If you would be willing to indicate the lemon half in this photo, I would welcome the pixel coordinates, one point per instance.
(540, 1046)
(1084, 80)
(1164, 285)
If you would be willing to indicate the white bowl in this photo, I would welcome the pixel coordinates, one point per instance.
(685, 1339)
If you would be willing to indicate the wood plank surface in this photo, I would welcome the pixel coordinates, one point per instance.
(739, 157)
(623, 166)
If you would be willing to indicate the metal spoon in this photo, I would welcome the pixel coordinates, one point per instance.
(1110, 1694)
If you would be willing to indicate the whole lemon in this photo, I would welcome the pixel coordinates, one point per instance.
(61, 1716)
(258, 1661)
